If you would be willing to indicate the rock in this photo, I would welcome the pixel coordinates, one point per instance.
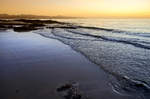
(64, 87)
(17, 90)
(26, 28)
(70, 91)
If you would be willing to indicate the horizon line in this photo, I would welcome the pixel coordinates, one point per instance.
(63, 16)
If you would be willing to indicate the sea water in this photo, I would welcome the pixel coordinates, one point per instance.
(121, 47)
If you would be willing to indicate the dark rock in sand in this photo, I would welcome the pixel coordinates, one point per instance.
(26, 25)
(5, 27)
(70, 91)
(2, 26)
(39, 21)
(64, 87)
(30, 27)
(24, 29)
(63, 27)
(17, 90)
(36, 25)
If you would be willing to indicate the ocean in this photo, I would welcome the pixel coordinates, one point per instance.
(121, 47)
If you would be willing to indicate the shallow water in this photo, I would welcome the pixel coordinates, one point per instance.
(121, 51)
(134, 25)
(32, 67)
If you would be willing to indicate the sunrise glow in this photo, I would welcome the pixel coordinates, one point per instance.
(78, 8)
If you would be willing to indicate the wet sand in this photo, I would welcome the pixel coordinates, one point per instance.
(32, 67)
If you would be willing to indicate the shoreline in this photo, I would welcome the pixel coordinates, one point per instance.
(94, 43)
(32, 68)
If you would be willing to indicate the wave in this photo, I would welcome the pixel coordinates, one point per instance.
(119, 40)
(116, 31)
(126, 58)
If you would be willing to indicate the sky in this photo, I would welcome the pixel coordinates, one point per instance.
(78, 8)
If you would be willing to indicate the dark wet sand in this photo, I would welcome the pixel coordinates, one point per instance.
(32, 67)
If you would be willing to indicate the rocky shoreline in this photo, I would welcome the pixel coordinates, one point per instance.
(26, 25)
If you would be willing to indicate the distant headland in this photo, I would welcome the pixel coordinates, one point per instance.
(28, 16)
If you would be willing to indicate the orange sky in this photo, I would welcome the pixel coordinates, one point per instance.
(78, 8)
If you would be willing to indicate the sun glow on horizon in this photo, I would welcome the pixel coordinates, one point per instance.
(78, 8)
